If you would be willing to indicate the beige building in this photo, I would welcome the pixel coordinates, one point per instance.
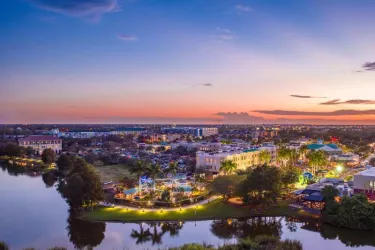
(41, 142)
(243, 158)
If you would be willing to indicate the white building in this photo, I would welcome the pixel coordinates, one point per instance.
(348, 157)
(41, 142)
(272, 149)
(364, 182)
(243, 159)
(209, 131)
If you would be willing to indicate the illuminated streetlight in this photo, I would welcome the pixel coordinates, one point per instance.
(339, 168)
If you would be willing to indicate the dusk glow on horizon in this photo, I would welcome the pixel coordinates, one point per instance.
(187, 62)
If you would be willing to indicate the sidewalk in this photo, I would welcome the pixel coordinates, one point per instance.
(165, 208)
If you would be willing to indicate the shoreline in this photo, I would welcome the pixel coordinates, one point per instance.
(211, 211)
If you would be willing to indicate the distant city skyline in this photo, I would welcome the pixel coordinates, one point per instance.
(213, 61)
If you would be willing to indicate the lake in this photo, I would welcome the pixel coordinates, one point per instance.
(33, 215)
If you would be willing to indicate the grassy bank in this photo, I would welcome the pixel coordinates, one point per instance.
(214, 210)
(112, 172)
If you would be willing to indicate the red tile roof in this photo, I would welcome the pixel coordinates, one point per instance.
(40, 138)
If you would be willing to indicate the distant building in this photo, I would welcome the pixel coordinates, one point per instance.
(193, 131)
(199, 146)
(78, 133)
(129, 131)
(41, 142)
(330, 148)
(348, 157)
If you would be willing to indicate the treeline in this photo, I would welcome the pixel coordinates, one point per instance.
(261, 185)
(77, 182)
(354, 212)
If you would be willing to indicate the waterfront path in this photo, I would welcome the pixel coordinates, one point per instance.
(212, 198)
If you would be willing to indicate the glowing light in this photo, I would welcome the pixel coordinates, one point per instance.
(339, 168)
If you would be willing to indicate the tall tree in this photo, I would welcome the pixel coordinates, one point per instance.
(81, 186)
(140, 168)
(226, 185)
(48, 156)
(303, 151)
(283, 155)
(264, 157)
(290, 176)
(263, 184)
(317, 159)
(153, 171)
(173, 168)
(65, 163)
(141, 236)
(228, 166)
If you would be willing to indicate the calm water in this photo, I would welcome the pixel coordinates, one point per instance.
(32, 215)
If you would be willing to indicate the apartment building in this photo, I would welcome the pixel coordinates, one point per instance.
(41, 142)
(244, 158)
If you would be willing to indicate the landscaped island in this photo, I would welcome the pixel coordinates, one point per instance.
(216, 209)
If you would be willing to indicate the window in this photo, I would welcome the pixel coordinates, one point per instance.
(370, 185)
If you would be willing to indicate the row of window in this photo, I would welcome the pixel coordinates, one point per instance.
(41, 142)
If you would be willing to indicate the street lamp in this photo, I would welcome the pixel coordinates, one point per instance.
(339, 168)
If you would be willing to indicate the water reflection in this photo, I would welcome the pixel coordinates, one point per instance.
(84, 233)
(247, 228)
(59, 226)
(154, 231)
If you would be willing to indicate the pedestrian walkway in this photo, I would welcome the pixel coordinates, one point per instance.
(215, 197)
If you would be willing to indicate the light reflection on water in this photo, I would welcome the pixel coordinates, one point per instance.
(33, 215)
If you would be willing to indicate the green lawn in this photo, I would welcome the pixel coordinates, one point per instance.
(214, 210)
(112, 172)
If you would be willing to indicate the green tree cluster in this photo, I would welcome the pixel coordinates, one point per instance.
(226, 184)
(354, 212)
(262, 185)
(81, 185)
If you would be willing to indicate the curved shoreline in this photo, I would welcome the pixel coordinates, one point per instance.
(216, 209)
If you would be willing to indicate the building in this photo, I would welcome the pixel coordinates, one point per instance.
(199, 146)
(244, 158)
(271, 148)
(193, 131)
(347, 158)
(329, 149)
(78, 133)
(41, 142)
(129, 131)
(364, 182)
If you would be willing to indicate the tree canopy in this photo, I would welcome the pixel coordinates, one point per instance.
(262, 185)
(48, 156)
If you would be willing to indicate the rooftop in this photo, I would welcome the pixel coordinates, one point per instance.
(368, 172)
(40, 138)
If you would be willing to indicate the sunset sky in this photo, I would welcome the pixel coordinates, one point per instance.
(187, 61)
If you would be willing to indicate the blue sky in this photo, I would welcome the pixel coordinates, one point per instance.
(186, 61)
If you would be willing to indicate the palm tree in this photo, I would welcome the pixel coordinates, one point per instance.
(303, 151)
(153, 171)
(283, 155)
(139, 168)
(317, 159)
(142, 236)
(228, 166)
(294, 156)
(172, 168)
(264, 157)
(156, 237)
